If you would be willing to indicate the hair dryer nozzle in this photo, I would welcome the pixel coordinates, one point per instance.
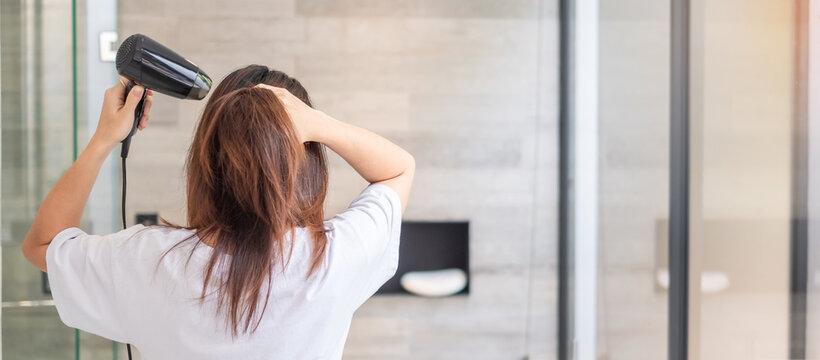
(202, 84)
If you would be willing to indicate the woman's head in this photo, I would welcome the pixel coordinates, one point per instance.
(250, 182)
(312, 180)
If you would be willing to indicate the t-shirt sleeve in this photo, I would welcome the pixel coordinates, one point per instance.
(367, 235)
(82, 273)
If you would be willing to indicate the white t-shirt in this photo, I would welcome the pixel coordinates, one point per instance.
(116, 287)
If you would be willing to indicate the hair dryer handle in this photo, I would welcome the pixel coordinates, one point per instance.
(126, 143)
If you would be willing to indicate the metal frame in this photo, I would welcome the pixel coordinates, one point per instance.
(798, 279)
(564, 218)
(679, 183)
(578, 179)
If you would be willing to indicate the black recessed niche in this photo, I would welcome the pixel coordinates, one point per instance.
(148, 219)
(431, 245)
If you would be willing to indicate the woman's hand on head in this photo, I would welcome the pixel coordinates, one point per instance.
(117, 114)
(304, 117)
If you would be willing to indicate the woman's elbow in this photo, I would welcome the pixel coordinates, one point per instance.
(27, 248)
(34, 253)
(411, 163)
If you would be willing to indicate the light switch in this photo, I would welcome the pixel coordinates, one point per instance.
(108, 46)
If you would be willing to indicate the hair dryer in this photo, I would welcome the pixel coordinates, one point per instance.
(148, 63)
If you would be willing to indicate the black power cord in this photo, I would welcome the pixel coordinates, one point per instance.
(126, 145)
(124, 183)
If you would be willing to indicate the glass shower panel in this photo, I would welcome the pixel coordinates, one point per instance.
(633, 179)
(37, 134)
(45, 120)
(742, 98)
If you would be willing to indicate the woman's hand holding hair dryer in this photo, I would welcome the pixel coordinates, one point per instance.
(375, 158)
(117, 115)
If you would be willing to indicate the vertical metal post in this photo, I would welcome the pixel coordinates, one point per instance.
(564, 218)
(798, 278)
(679, 183)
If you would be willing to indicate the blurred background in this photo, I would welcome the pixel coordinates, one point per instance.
(545, 134)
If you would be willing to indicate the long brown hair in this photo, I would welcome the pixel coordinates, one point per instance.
(250, 183)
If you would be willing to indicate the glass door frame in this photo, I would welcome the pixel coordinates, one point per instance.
(679, 198)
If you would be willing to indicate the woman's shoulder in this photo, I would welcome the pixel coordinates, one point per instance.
(155, 236)
(157, 231)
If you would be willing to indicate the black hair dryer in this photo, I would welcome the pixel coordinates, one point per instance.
(148, 63)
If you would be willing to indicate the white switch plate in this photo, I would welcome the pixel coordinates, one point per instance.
(108, 46)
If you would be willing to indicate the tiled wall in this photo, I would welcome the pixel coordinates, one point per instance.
(469, 87)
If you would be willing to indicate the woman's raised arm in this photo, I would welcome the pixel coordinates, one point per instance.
(375, 158)
(63, 207)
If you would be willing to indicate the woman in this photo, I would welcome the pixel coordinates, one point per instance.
(256, 273)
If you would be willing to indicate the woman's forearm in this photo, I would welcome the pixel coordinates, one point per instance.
(63, 207)
(375, 158)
